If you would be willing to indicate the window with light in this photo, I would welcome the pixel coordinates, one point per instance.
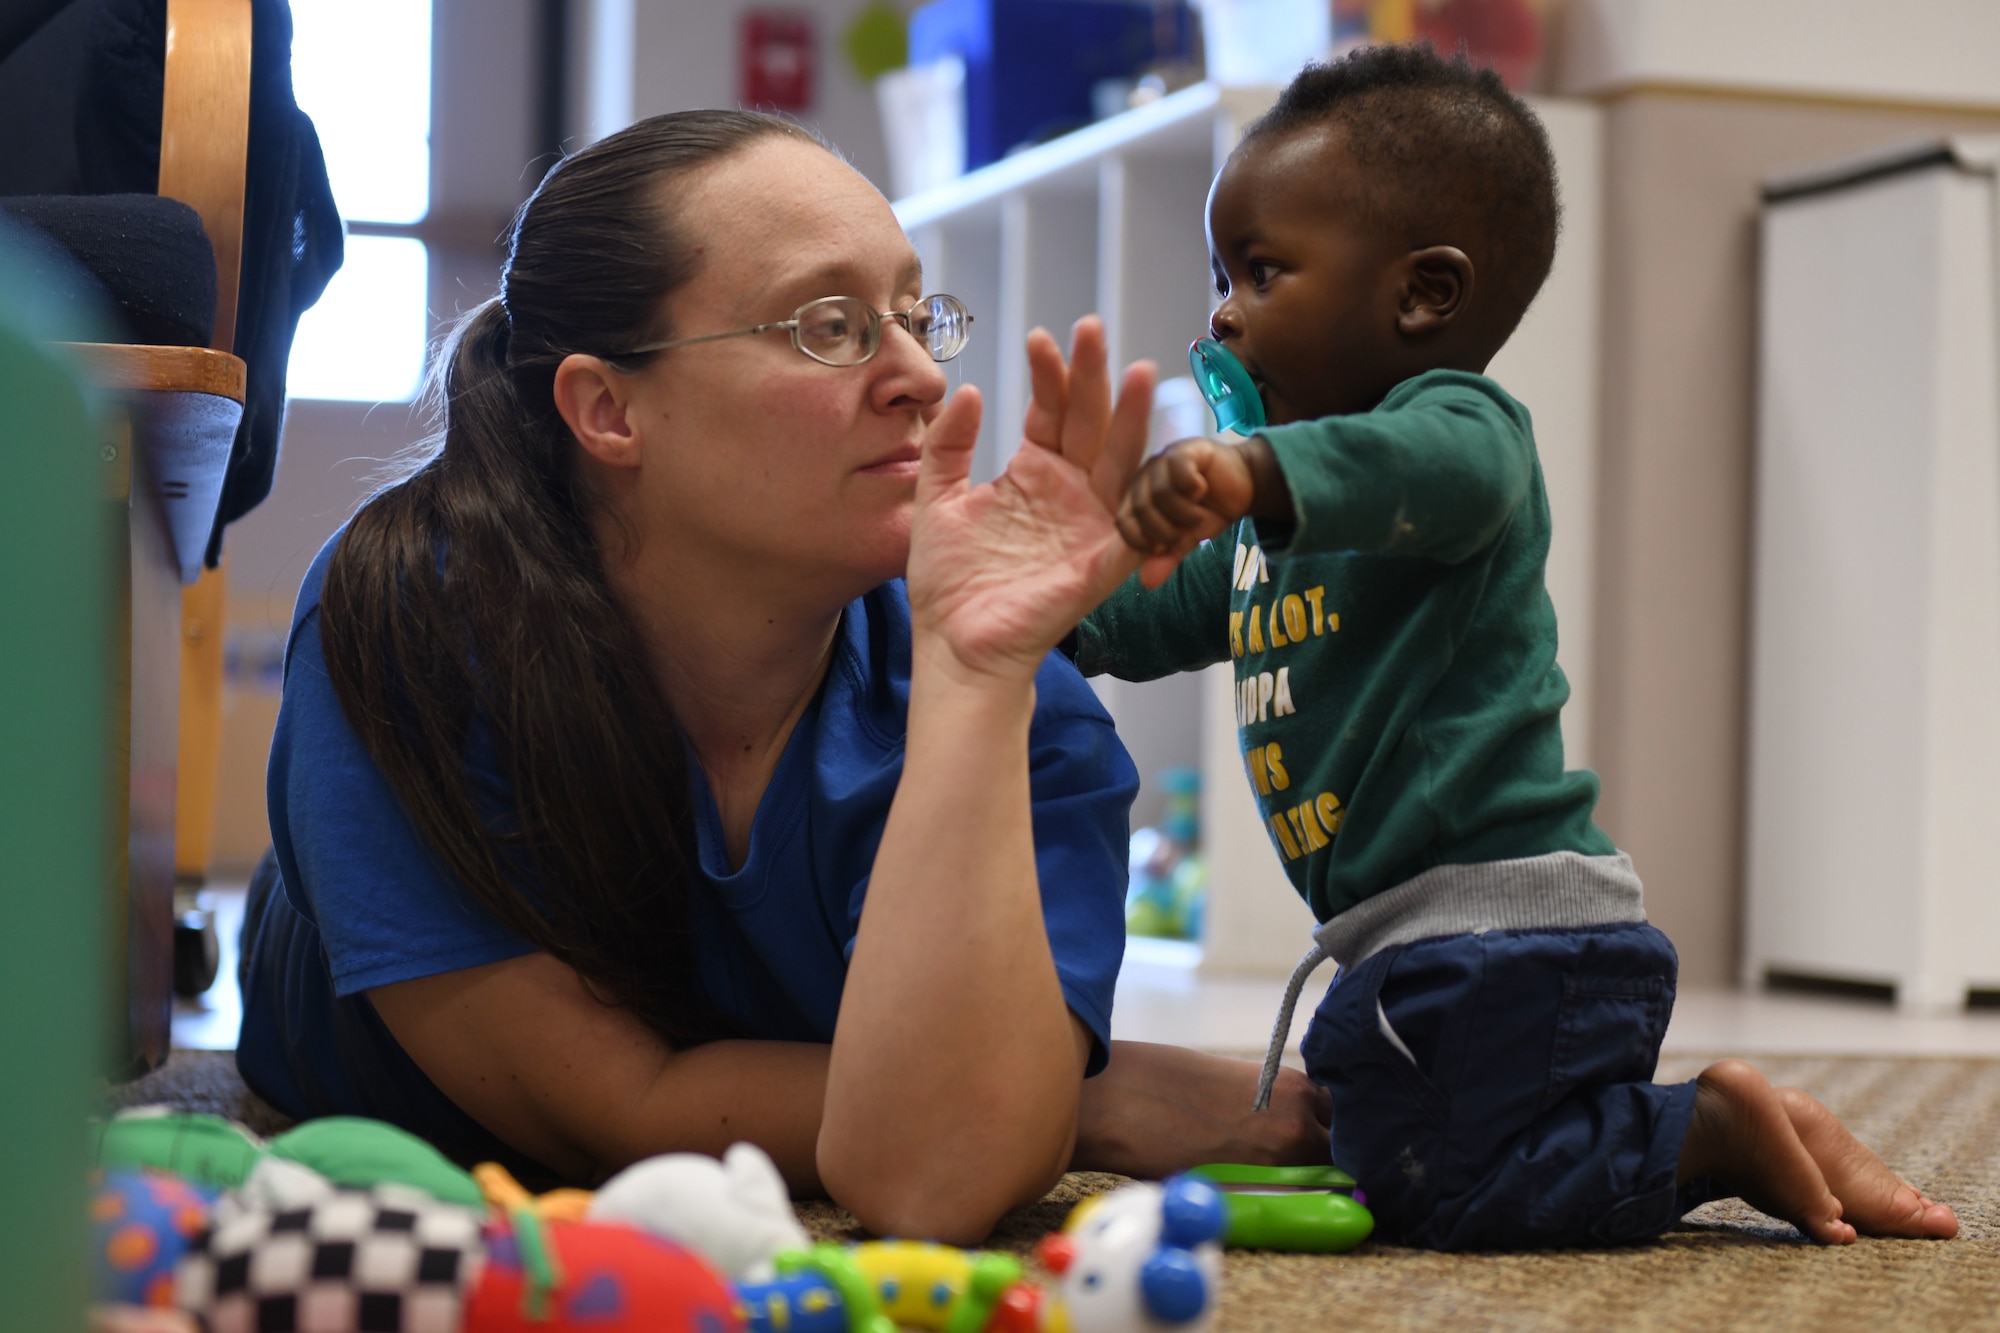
(362, 70)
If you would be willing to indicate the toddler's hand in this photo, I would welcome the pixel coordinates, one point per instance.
(1188, 492)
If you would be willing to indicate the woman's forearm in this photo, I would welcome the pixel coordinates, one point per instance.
(956, 1071)
(529, 1052)
(953, 1084)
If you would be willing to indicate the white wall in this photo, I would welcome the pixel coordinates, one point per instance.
(484, 74)
(655, 56)
(1551, 365)
(1934, 51)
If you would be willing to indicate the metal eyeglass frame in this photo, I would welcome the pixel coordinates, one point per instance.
(872, 340)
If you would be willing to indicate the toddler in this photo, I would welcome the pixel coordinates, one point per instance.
(1376, 575)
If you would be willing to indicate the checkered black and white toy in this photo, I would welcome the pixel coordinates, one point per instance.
(386, 1260)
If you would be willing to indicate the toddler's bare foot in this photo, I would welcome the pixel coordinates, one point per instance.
(1743, 1137)
(1872, 1197)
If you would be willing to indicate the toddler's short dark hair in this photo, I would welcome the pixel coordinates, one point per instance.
(1439, 139)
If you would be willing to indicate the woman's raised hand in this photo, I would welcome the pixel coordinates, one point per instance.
(999, 573)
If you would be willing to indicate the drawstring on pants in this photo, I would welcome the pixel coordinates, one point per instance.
(1281, 1031)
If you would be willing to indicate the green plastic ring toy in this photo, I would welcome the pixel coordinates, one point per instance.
(1277, 1177)
(1298, 1209)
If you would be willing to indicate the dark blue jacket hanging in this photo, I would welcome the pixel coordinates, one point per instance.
(80, 92)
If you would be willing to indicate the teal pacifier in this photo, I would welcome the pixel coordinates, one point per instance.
(1232, 395)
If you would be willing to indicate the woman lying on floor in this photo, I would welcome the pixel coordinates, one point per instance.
(624, 797)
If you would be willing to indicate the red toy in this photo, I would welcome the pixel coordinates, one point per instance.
(555, 1277)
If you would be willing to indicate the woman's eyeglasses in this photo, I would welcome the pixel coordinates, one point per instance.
(846, 330)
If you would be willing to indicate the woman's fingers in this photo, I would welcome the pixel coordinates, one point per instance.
(1125, 441)
(1048, 376)
(946, 461)
(1070, 408)
(1089, 415)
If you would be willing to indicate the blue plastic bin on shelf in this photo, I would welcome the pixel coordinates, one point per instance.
(1030, 64)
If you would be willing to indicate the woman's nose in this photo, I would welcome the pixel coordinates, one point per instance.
(907, 370)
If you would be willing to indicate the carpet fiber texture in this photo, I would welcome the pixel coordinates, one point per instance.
(1937, 1121)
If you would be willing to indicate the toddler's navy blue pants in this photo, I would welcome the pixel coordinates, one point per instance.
(1494, 1091)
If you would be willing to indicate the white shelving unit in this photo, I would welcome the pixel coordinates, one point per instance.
(1110, 219)
(1875, 667)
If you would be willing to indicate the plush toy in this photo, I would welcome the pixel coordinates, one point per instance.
(1141, 1257)
(344, 1150)
(278, 1184)
(737, 1216)
(139, 1319)
(559, 1277)
(202, 1148)
(141, 1223)
(736, 1213)
(387, 1259)
(361, 1153)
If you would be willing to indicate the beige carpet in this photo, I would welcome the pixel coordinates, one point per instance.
(1936, 1121)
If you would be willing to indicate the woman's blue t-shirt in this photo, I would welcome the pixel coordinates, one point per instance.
(364, 904)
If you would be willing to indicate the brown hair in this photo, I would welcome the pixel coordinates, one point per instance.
(466, 614)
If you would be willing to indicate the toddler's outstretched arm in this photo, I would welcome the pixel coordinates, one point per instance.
(1192, 490)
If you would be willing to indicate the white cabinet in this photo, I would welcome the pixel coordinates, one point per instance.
(1875, 669)
(1110, 219)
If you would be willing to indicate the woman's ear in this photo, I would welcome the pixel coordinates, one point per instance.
(1436, 289)
(596, 404)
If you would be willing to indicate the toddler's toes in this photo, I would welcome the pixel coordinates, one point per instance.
(1874, 1198)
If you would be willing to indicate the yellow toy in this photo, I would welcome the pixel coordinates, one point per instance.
(880, 1286)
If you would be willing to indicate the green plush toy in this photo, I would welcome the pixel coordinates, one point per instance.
(204, 1148)
(348, 1150)
(358, 1153)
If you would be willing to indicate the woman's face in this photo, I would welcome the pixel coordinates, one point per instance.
(762, 455)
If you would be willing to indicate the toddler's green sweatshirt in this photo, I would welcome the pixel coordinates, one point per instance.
(1395, 651)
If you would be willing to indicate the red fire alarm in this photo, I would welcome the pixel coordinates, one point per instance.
(779, 51)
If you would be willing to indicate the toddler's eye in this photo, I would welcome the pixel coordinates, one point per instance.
(1260, 272)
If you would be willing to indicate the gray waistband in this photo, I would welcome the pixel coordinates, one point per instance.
(1562, 890)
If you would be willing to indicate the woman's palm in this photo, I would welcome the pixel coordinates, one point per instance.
(1001, 572)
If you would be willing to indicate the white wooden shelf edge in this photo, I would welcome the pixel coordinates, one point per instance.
(1182, 119)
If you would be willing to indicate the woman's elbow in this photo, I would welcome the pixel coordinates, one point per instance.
(946, 1198)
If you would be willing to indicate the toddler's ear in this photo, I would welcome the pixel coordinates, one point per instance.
(1436, 288)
